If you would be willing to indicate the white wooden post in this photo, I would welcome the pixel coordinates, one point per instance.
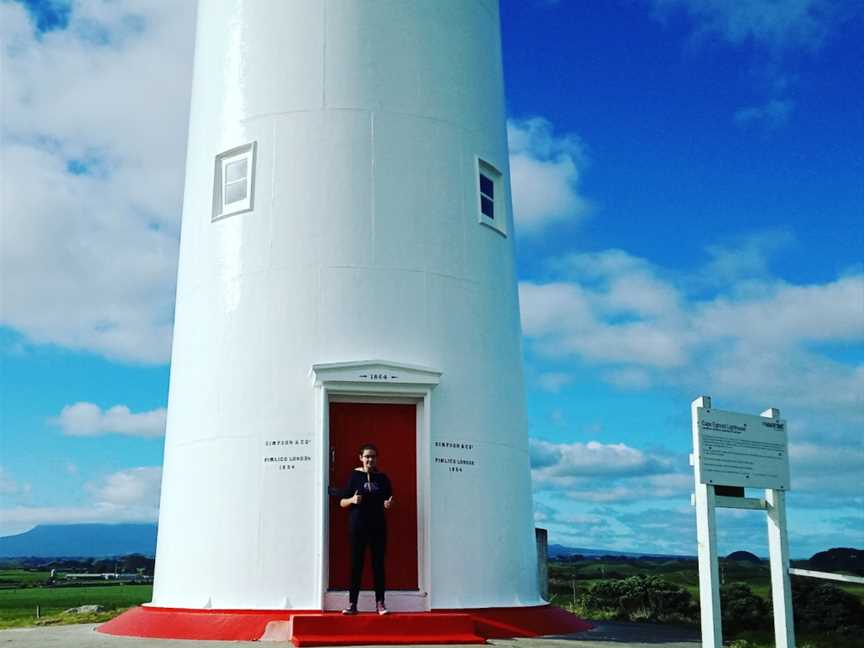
(778, 556)
(706, 536)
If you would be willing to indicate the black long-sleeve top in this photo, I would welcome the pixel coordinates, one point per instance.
(375, 488)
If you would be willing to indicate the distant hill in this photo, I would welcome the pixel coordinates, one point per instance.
(745, 556)
(81, 540)
(560, 551)
(839, 559)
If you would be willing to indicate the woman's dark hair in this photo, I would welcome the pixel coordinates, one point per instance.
(368, 446)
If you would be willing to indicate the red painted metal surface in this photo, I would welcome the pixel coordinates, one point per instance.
(392, 429)
(173, 623)
(410, 628)
(503, 623)
(331, 628)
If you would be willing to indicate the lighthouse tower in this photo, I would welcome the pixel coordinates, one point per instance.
(346, 275)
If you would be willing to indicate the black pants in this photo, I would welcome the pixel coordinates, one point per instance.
(376, 540)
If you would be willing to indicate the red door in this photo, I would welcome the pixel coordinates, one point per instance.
(392, 429)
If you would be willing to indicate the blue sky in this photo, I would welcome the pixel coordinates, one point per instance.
(688, 182)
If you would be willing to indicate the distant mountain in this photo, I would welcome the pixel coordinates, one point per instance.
(81, 540)
(839, 559)
(745, 556)
(560, 551)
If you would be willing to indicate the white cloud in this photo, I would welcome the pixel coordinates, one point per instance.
(757, 338)
(553, 381)
(611, 307)
(567, 318)
(773, 114)
(628, 284)
(791, 376)
(130, 495)
(829, 471)
(774, 24)
(553, 307)
(545, 173)
(628, 378)
(817, 459)
(94, 132)
(10, 487)
(613, 526)
(87, 419)
(135, 487)
(786, 315)
(746, 258)
(567, 464)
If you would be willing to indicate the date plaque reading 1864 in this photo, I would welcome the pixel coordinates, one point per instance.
(742, 450)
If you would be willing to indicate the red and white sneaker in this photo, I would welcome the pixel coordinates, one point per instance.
(381, 608)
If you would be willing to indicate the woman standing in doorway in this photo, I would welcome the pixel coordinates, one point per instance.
(372, 495)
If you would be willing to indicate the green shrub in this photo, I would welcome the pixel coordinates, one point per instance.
(640, 598)
(822, 607)
(741, 609)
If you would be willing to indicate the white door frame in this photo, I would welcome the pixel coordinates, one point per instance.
(379, 382)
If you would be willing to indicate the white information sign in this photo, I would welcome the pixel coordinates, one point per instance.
(732, 449)
(742, 450)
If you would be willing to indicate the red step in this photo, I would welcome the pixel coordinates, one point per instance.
(371, 629)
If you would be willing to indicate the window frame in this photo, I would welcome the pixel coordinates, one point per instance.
(246, 152)
(499, 220)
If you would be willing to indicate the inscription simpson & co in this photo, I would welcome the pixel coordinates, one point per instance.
(454, 464)
(292, 453)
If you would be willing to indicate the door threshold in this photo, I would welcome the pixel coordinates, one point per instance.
(397, 600)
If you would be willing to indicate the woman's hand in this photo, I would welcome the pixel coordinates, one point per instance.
(388, 502)
(348, 501)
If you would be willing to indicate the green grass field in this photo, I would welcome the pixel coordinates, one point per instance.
(18, 606)
(19, 577)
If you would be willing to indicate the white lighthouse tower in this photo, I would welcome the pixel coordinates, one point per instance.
(346, 275)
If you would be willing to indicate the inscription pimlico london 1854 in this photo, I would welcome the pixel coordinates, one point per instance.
(454, 464)
(287, 462)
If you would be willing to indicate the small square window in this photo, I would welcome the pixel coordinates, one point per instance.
(234, 181)
(490, 205)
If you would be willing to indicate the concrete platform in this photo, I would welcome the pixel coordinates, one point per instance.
(604, 635)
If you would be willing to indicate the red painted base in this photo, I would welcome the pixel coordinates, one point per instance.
(408, 628)
(315, 628)
(503, 623)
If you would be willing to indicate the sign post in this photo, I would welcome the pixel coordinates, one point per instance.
(740, 451)
(778, 555)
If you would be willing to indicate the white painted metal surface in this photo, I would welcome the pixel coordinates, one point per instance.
(810, 573)
(706, 544)
(708, 425)
(742, 449)
(778, 558)
(751, 503)
(363, 242)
